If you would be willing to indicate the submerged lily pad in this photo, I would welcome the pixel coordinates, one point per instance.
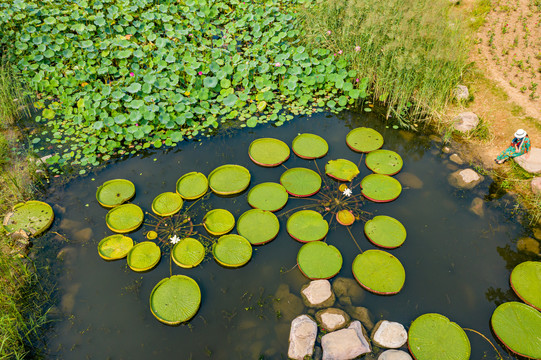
(341, 169)
(268, 152)
(318, 260)
(379, 272)
(345, 217)
(258, 226)
(364, 139)
(384, 162)
(229, 179)
(518, 326)
(124, 218)
(309, 146)
(175, 300)
(192, 185)
(232, 250)
(380, 188)
(115, 192)
(385, 231)
(33, 217)
(188, 253)
(307, 225)
(115, 247)
(219, 221)
(144, 256)
(433, 336)
(301, 182)
(167, 204)
(526, 282)
(268, 196)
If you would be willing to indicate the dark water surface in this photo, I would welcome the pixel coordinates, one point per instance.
(457, 263)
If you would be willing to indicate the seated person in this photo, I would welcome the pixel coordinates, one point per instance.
(519, 146)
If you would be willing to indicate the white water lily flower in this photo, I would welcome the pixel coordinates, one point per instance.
(175, 239)
(347, 192)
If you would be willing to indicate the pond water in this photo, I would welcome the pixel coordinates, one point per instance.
(457, 263)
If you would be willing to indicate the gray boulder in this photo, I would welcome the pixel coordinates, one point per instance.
(456, 159)
(530, 162)
(332, 319)
(318, 294)
(478, 207)
(394, 355)
(345, 344)
(536, 185)
(302, 337)
(465, 121)
(461, 92)
(465, 179)
(389, 334)
(347, 288)
(362, 314)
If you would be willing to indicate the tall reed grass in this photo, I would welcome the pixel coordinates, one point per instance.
(13, 101)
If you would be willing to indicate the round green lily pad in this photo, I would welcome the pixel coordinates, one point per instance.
(379, 272)
(115, 247)
(341, 169)
(364, 140)
(124, 218)
(301, 182)
(345, 217)
(115, 192)
(309, 146)
(192, 185)
(307, 225)
(258, 226)
(268, 196)
(144, 256)
(384, 162)
(167, 204)
(385, 231)
(380, 188)
(229, 179)
(268, 152)
(33, 217)
(518, 326)
(433, 336)
(219, 221)
(318, 260)
(175, 300)
(188, 253)
(526, 282)
(232, 250)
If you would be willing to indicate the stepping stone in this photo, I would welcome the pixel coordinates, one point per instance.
(465, 121)
(318, 294)
(530, 162)
(302, 337)
(389, 334)
(332, 319)
(345, 344)
(465, 179)
(456, 159)
(536, 185)
(395, 355)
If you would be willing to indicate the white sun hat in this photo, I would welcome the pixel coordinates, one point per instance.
(520, 133)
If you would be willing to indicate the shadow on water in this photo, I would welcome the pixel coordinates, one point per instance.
(457, 262)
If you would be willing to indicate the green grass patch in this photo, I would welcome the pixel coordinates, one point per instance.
(479, 13)
(12, 98)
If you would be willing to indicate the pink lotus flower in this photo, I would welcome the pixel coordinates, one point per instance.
(357, 80)
(200, 73)
(329, 32)
(357, 48)
(277, 64)
(339, 52)
(132, 74)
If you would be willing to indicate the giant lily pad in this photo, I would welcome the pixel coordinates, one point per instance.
(385, 231)
(192, 185)
(167, 204)
(175, 300)
(115, 192)
(364, 139)
(518, 326)
(229, 179)
(309, 146)
(384, 162)
(301, 182)
(115, 247)
(33, 217)
(345, 217)
(219, 221)
(380, 188)
(124, 218)
(526, 281)
(433, 336)
(379, 272)
(258, 226)
(188, 253)
(341, 169)
(318, 260)
(232, 250)
(268, 196)
(307, 225)
(268, 152)
(144, 256)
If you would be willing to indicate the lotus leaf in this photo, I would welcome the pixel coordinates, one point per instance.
(115, 192)
(229, 179)
(307, 225)
(167, 204)
(144, 256)
(380, 188)
(219, 221)
(188, 253)
(258, 226)
(310, 146)
(433, 336)
(379, 272)
(318, 260)
(175, 300)
(364, 139)
(526, 282)
(124, 218)
(33, 217)
(384, 162)
(268, 152)
(115, 247)
(301, 182)
(345, 217)
(192, 185)
(385, 231)
(268, 196)
(232, 250)
(341, 169)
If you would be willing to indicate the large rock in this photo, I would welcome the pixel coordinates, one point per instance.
(302, 337)
(536, 185)
(318, 294)
(465, 179)
(530, 162)
(528, 245)
(332, 319)
(456, 159)
(461, 92)
(394, 355)
(347, 290)
(287, 305)
(465, 121)
(345, 344)
(389, 334)
(362, 314)
(410, 180)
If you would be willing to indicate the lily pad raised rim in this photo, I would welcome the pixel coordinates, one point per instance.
(250, 212)
(329, 247)
(345, 217)
(226, 238)
(304, 213)
(190, 174)
(192, 281)
(229, 166)
(214, 211)
(119, 208)
(379, 252)
(382, 177)
(338, 176)
(121, 201)
(183, 242)
(36, 232)
(364, 129)
(136, 248)
(534, 301)
(379, 218)
(313, 155)
(273, 140)
(169, 194)
(111, 238)
(268, 184)
(368, 162)
(296, 194)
